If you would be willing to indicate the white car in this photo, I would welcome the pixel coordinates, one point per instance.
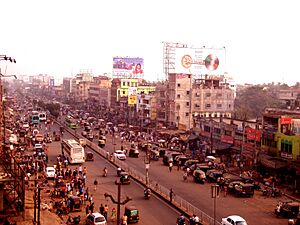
(120, 154)
(50, 172)
(233, 220)
(95, 219)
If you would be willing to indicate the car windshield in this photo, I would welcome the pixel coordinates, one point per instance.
(50, 171)
(241, 223)
(99, 219)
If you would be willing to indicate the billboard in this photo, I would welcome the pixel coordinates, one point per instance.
(124, 67)
(200, 61)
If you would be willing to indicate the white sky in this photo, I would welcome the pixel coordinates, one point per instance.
(60, 37)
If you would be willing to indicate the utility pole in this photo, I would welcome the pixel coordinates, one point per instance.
(118, 202)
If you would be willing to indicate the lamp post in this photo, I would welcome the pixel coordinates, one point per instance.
(147, 166)
(118, 201)
(215, 191)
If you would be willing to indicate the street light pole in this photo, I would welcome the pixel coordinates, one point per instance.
(118, 202)
(215, 191)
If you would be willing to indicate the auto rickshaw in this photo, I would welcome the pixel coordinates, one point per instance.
(199, 176)
(154, 155)
(246, 190)
(76, 203)
(124, 178)
(134, 152)
(56, 137)
(132, 214)
(288, 209)
(102, 141)
(89, 156)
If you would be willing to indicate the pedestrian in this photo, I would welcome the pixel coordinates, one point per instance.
(92, 207)
(124, 220)
(113, 215)
(171, 195)
(170, 166)
(87, 209)
(225, 191)
(105, 211)
(101, 209)
(95, 184)
(91, 199)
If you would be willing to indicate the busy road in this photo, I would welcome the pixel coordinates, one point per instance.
(257, 207)
(152, 211)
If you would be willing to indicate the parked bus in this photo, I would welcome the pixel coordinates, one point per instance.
(71, 122)
(73, 151)
(43, 116)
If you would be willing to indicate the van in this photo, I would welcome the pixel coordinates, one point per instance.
(95, 219)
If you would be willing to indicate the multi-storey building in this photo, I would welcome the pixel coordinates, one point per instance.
(146, 108)
(99, 90)
(188, 99)
(162, 103)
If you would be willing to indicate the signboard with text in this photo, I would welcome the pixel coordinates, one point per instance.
(124, 67)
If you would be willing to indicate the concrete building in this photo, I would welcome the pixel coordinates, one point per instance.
(100, 91)
(187, 99)
(146, 108)
(162, 106)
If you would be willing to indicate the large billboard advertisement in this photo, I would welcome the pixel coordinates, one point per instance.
(200, 61)
(124, 67)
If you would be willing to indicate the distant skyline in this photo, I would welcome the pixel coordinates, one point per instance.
(60, 38)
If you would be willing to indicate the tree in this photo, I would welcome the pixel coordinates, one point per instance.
(251, 102)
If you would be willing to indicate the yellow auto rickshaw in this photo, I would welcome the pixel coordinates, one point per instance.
(102, 141)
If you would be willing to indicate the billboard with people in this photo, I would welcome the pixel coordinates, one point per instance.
(125, 67)
(200, 61)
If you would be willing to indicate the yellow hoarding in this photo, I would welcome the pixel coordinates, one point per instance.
(131, 99)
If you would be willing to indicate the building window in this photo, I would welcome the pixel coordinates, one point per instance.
(186, 114)
(229, 106)
(207, 95)
(197, 106)
(187, 103)
(219, 95)
(219, 105)
(123, 92)
(177, 117)
(178, 85)
(178, 96)
(128, 83)
(207, 106)
(123, 83)
(197, 94)
(187, 92)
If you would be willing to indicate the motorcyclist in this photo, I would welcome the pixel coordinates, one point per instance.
(181, 220)
(105, 172)
(119, 170)
(147, 192)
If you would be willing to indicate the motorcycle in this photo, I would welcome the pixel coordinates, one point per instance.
(73, 220)
(147, 194)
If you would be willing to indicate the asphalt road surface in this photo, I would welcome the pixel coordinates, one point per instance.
(152, 211)
(256, 210)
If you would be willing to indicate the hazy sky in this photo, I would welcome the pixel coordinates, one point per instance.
(60, 37)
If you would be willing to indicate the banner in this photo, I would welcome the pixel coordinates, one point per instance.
(124, 67)
(131, 100)
(200, 61)
(253, 134)
(285, 120)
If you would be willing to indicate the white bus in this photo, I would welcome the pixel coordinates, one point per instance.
(42, 116)
(73, 151)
